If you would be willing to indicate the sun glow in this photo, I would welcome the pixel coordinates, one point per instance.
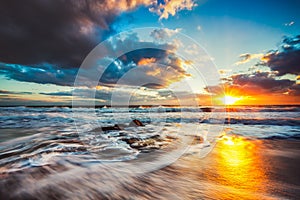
(230, 100)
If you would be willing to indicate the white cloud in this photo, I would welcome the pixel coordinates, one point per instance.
(291, 23)
(171, 7)
(164, 33)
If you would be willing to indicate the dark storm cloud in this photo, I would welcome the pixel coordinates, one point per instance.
(59, 32)
(43, 74)
(155, 67)
(256, 83)
(5, 92)
(286, 60)
(46, 41)
(263, 80)
(66, 93)
(17, 101)
(83, 93)
(295, 90)
(62, 32)
(46, 31)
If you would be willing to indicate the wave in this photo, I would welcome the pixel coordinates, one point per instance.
(158, 109)
(282, 137)
(270, 121)
(263, 109)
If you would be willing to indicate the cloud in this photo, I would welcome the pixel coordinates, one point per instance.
(5, 92)
(163, 33)
(256, 83)
(224, 71)
(244, 58)
(295, 90)
(57, 32)
(146, 61)
(65, 93)
(262, 82)
(291, 23)
(103, 95)
(42, 74)
(158, 67)
(63, 32)
(281, 89)
(171, 7)
(106, 95)
(17, 101)
(285, 60)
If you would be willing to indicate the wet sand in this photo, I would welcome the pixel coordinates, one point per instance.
(237, 168)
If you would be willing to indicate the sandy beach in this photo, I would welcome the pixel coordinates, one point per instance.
(237, 168)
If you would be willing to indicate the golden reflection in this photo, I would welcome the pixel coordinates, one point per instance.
(239, 164)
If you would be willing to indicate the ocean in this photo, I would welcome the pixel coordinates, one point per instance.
(244, 152)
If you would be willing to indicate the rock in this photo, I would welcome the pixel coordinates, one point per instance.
(171, 137)
(197, 139)
(155, 136)
(207, 109)
(136, 122)
(143, 143)
(98, 129)
(130, 141)
(118, 127)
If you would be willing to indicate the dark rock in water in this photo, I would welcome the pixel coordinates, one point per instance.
(171, 137)
(143, 143)
(207, 109)
(111, 128)
(121, 126)
(121, 133)
(157, 138)
(136, 122)
(130, 140)
(148, 149)
(97, 129)
(118, 127)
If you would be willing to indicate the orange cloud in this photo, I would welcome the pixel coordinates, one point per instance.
(248, 57)
(146, 61)
(258, 88)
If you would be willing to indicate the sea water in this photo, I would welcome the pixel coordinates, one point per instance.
(60, 152)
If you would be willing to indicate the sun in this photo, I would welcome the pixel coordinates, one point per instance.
(230, 100)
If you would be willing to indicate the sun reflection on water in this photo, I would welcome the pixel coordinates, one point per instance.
(239, 164)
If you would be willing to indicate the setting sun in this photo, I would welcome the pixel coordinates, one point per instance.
(230, 100)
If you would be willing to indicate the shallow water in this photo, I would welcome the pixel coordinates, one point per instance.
(58, 153)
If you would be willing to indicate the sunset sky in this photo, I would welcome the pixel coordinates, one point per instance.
(253, 45)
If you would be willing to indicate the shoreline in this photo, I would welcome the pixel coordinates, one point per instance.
(236, 168)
